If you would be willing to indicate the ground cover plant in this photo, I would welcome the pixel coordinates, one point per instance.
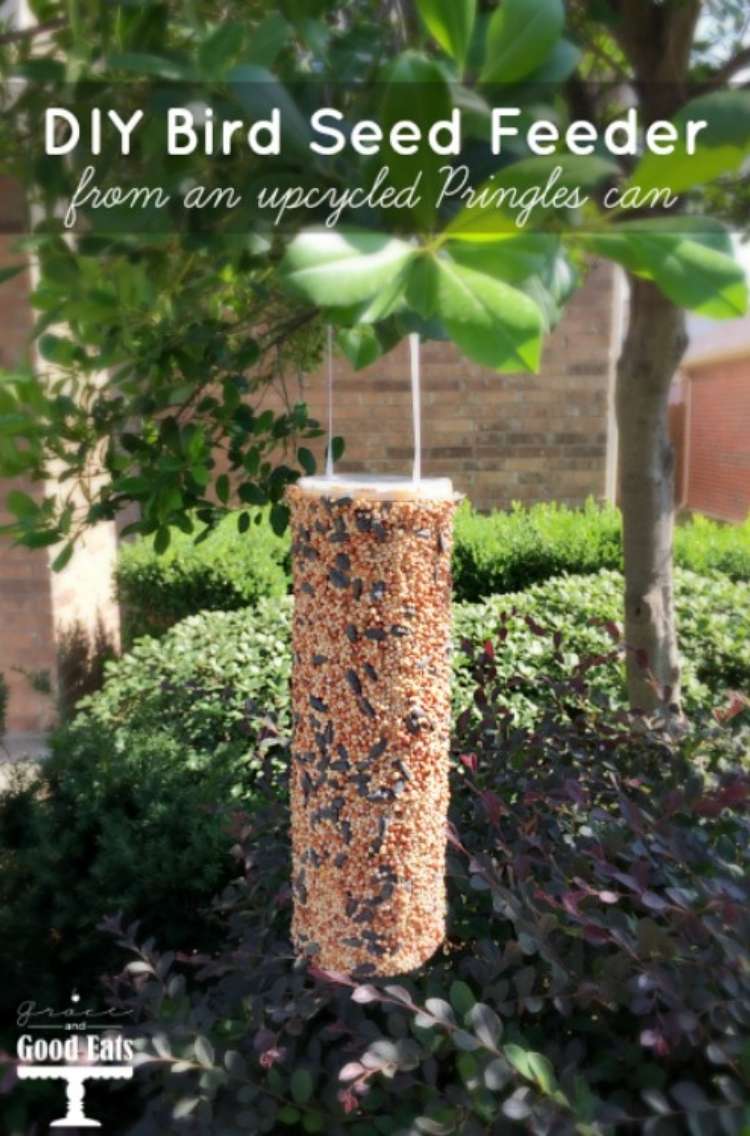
(595, 975)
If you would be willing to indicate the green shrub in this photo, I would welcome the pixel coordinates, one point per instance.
(226, 571)
(596, 976)
(124, 814)
(100, 830)
(707, 546)
(214, 675)
(508, 551)
(494, 554)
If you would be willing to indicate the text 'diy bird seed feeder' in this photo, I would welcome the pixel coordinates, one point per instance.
(371, 708)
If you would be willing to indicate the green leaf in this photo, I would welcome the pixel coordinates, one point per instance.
(144, 64)
(360, 345)
(243, 522)
(184, 1107)
(342, 267)
(415, 81)
(289, 1115)
(540, 1068)
(204, 1051)
(493, 323)
(461, 998)
(21, 504)
(306, 459)
(279, 518)
(222, 488)
(520, 36)
(486, 1025)
(63, 558)
(11, 271)
(492, 218)
(259, 92)
(686, 258)
(301, 1085)
(450, 23)
(161, 541)
(720, 148)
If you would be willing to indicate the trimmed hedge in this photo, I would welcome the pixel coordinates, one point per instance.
(494, 554)
(508, 551)
(226, 571)
(215, 676)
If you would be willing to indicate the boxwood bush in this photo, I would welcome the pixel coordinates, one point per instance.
(215, 676)
(507, 551)
(227, 570)
(496, 553)
(595, 978)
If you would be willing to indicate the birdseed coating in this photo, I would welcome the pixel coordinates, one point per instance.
(371, 710)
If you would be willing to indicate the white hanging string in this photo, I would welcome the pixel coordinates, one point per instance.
(416, 406)
(329, 452)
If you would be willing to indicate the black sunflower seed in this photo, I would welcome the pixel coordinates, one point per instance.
(351, 907)
(398, 788)
(340, 860)
(371, 672)
(346, 832)
(366, 707)
(352, 679)
(398, 764)
(342, 751)
(338, 579)
(399, 630)
(379, 530)
(376, 633)
(357, 588)
(320, 527)
(352, 634)
(318, 660)
(318, 704)
(343, 562)
(363, 522)
(378, 749)
(423, 534)
(308, 588)
(309, 552)
(338, 537)
(343, 501)
(377, 591)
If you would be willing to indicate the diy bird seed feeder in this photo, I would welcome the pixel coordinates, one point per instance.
(371, 709)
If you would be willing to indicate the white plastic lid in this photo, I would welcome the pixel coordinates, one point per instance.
(379, 488)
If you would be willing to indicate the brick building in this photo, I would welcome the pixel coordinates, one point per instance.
(710, 416)
(500, 437)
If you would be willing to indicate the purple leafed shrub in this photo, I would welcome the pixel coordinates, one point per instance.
(596, 975)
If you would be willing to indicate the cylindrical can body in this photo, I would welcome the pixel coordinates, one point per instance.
(371, 711)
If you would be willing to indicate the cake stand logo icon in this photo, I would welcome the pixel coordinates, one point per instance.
(93, 1049)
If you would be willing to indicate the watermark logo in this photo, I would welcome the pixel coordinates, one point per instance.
(74, 1045)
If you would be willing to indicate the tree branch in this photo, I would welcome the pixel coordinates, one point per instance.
(730, 68)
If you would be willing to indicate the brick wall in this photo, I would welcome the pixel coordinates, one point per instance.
(502, 438)
(26, 625)
(718, 480)
(39, 610)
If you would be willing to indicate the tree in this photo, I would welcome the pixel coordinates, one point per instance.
(172, 314)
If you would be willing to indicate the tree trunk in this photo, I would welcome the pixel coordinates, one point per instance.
(653, 347)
